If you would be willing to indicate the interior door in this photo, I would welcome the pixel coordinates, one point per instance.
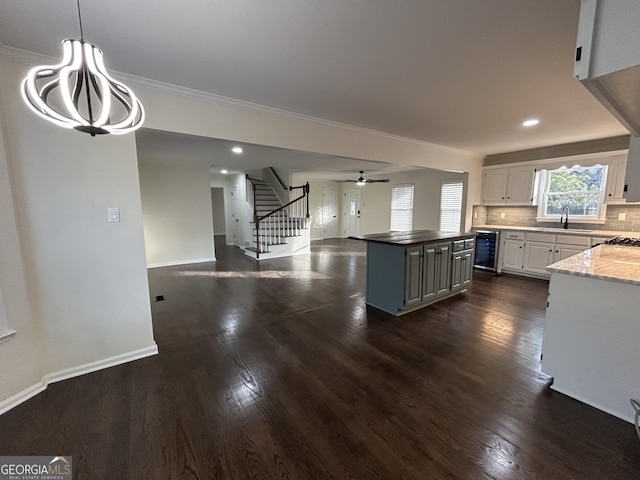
(352, 213)
(235, 228)
(329, 213)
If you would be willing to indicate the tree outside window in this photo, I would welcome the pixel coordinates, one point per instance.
(580, 189)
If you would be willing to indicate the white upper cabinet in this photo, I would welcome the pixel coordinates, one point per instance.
(494, 186)
(508, 186)
(632, 178)
(607, 57)
(520, 185)
(615, 180)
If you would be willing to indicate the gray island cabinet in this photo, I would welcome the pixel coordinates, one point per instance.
(410, 270)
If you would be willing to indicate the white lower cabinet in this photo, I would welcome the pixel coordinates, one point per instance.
(565, 251)
(513, 253)
(530, 253)
(537, 256)
(538, 252)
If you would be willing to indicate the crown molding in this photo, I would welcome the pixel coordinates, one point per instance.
(199, 95)
(25, 57)
(21, 56)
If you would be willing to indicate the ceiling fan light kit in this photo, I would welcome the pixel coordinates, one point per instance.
(361, 181)
(79, 93)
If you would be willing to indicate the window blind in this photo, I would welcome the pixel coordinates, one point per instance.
(402, 208)
(451, 206)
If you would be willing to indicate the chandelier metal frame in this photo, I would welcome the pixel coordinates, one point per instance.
(79, 93)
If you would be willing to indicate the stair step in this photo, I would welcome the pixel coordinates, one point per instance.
(255, 250)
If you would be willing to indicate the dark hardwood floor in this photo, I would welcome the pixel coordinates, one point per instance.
(276, 370)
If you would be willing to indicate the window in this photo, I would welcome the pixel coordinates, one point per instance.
(580, 190)
(451, 206)
(402, 208)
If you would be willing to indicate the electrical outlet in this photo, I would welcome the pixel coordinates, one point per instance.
(475, 214)
(113, 214)
(503, 215)
(622, 216)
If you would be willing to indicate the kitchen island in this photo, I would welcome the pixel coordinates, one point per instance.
(591, 344)
(410, 270)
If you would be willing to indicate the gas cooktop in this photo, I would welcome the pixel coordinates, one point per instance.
(624, 241)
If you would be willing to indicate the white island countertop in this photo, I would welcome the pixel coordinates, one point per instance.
(606, 262)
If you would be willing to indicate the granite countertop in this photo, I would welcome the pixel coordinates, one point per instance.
(413, 237)
(560, 230)
(606, 262)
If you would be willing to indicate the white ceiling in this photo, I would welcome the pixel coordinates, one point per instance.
(460, 73)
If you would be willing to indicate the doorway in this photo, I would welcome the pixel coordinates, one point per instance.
(235, 218)
(329, 213)
(352, 212)
(217, 210)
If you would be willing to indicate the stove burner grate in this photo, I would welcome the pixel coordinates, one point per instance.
(624, 241)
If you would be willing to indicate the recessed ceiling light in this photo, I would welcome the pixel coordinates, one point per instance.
(223, 171)
(532, 122)
(237, 150)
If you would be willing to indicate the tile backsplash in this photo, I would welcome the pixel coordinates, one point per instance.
(526, 217)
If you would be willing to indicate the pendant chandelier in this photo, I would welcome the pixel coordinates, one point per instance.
(79, 93)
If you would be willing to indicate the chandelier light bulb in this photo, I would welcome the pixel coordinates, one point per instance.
(79, 93)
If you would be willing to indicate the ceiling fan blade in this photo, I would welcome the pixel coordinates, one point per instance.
(362, 180)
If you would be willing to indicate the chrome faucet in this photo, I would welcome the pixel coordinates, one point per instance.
(565, 214)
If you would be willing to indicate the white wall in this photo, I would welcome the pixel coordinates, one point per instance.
(84, 302)
(176, 213)
(21, 358)
(376, 200)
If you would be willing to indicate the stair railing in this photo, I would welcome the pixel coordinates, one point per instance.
(251, 191)
(286, 221)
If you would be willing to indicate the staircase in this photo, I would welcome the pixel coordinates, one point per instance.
(278, 230)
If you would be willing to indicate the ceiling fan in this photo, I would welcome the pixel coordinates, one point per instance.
(362, 180)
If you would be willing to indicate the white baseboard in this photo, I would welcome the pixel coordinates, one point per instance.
(100, 364)
(67, 373)
(181, 262)
(22, 396)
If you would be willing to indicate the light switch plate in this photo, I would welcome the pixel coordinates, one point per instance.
(622, 216)
(113, 214)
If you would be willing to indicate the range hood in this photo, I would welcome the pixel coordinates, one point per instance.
(607, 58)
(607, 63)
(619, 92)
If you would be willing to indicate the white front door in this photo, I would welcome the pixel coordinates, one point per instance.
(329, 218)
(235, 228)
(351, 213)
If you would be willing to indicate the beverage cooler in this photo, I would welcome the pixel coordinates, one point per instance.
(487, 243)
